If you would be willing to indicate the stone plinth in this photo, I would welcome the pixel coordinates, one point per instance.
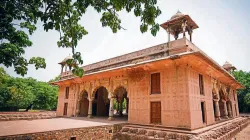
(10, 116)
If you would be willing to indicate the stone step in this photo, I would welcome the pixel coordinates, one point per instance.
(223, 130)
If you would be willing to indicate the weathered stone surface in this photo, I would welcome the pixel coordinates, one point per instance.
(10, 116)
(221, 132)
(89, 133)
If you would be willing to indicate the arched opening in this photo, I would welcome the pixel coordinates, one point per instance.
(83, 104)
(100, 105)
(121, 103)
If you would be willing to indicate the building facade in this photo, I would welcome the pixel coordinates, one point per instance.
(174, 84)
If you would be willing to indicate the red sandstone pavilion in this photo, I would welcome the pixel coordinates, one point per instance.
(174, 84)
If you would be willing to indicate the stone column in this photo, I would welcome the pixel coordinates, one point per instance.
(62, 69)
(225, 109)
(78, 108)
(90, 108)
(168, 31)
(217, 110)
(111, 109)
(127, 104)
(229, 110)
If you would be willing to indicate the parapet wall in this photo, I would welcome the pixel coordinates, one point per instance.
(88, 133)
(10, 116)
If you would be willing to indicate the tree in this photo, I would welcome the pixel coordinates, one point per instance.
(46, 96)
(63, 16)
(16, 93)
(243, 94)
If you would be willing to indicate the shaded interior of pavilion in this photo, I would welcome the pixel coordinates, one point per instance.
(101, 105)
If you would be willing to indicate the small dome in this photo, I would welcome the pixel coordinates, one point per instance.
(228, 66)
(65, 59)
(177, 15)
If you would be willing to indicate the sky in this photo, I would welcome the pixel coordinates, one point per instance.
(223, 34)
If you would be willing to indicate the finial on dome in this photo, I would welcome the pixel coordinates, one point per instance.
(65, 59)
(177, 15)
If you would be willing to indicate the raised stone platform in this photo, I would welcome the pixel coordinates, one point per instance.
(61, 128)
(102, 129)
(220, 131)
(10, 116)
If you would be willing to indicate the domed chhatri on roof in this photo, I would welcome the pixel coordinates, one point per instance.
(179, 23)
(228, 66)
(177, 15)
(65, 59)
(65, 66)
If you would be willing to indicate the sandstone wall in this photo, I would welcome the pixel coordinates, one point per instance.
(196, 98)
(10, 116)
(89, 133)
(71, 101)
(173, 98)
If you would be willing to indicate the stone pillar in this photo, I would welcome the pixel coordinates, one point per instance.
(78, 108)
(62, 69)
(111, 109)
(217, 110)
(225, 109)
(65, 68)
(229, 110)
(168, 31)
(90, 108)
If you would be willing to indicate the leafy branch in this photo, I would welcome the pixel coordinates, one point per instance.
(63, 16)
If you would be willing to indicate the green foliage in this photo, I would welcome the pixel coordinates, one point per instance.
(57, 78)
(116, 104)
(16, 17)
(21, 92)
(63, 16)
(243, 94)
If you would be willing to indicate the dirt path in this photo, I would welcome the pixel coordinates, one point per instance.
(243, 135)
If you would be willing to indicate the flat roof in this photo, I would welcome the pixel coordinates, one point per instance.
(149, 55)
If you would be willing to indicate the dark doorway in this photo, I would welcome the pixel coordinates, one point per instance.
(155, 112)
(203, 112)
(94, 109)
(107, 109)
(65, 109)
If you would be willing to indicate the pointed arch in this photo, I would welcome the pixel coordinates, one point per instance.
(101, 102)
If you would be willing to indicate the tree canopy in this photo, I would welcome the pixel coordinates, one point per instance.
(243, 94)
(16, 93)
(19, 18)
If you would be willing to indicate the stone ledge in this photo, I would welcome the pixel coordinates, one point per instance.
(222, 132)
(10, 116)
(105, 132)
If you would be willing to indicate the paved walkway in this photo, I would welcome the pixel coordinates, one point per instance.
(32, 126)
(244, 134)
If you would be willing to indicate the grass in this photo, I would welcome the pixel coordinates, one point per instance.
(22, 110)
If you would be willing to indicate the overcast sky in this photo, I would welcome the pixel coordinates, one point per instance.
(223, 33)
